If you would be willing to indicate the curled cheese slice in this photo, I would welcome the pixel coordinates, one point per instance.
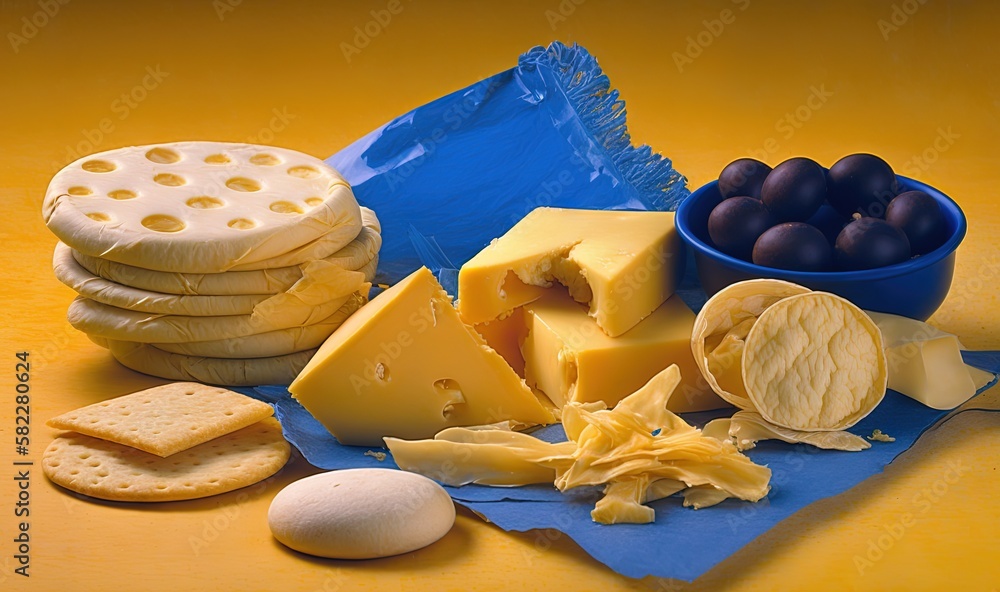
(722, 326)
(814, 362)
(488, 457)
(746, 428)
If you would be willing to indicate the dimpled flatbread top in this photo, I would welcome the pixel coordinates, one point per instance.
(722, 325)
(198, 207)
(814, 362)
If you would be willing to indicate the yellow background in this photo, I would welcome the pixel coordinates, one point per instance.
(921, 89)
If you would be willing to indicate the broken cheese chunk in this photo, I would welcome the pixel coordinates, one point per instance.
(569, 358)
(622, 264)
(405, 365)
(925, 363)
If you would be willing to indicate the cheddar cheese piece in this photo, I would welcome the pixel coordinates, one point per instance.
(405, 365)
(569, 358)
(622, 264)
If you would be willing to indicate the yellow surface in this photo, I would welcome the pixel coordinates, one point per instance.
(925, 96)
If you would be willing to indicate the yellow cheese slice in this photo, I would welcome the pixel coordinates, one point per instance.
(405, 365)
(622, 264)
(746, 428)
(569, 358)
(199, 207)
(488, 457)
(925, 363)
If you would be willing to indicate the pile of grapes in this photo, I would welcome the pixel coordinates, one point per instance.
(801, 217)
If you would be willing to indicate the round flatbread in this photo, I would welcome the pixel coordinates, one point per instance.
(71, 273)
(200, 207)
(110, 322)
(145, 358)
(356, 255)
(110, 471)
(270, 344)
(721, 327)
(814, 362)
(74, 275)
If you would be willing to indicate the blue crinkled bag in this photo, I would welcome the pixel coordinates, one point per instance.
(448, 177)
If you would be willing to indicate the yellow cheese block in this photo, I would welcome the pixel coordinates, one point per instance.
(506, 336)
(569, 358)
(925, 363)
(622, 264)
(405, 365)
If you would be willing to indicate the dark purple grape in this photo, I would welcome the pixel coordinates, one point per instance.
(862, 183)
(868, 243)
(743, 177)
(829, 222)
(735, 224)
(920, 217)
(794, 246)
(794, 190)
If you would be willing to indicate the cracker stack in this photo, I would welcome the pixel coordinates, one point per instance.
(173, 442)
(219, 263)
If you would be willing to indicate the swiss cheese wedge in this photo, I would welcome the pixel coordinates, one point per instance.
(405, 365)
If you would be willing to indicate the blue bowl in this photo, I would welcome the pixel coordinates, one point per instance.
(914, 288)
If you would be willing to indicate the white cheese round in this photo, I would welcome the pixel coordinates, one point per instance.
(361, 513)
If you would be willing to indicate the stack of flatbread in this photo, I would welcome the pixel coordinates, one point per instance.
(213, 262)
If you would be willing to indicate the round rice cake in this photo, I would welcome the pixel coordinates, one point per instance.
(814, 362)
(356, 255)
(111, 471)
(145, 358)
(200, 207)
(720, 330)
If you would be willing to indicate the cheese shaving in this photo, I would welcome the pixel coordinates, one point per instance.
(639, 451)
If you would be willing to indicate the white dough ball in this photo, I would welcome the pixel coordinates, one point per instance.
(361, 513)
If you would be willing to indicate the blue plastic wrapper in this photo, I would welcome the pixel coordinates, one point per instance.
(450, 176)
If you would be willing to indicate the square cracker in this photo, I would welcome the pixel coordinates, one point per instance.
(166, 419)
